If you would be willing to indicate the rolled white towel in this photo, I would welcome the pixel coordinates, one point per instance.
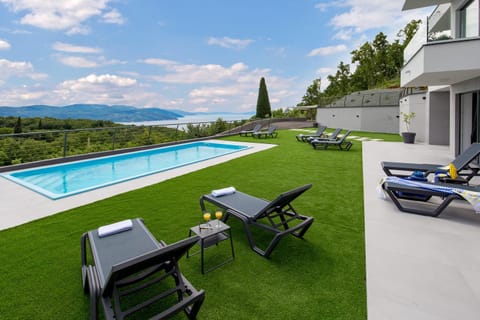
(115, 228)
(223, 192)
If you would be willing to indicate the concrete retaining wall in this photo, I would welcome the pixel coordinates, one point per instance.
(372, 119)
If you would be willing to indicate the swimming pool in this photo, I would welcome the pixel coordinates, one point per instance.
(63, 180)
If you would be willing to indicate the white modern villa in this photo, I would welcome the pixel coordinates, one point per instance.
(444, 56)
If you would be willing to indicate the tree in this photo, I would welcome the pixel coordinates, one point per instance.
(378, 64)
(18, 126)
(263, 103)
(340, 82)
(408, 32)
(313, 94)
(363, 77)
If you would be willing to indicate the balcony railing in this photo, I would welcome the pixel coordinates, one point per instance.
(418, 40)
(433, 28)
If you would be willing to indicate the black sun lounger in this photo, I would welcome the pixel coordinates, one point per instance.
(246, 133)
(319, 134)
(271, 132)
(406, 195)
(341, 143)
(129, 271)
(332, 136)
(277, 216)
(463, 164)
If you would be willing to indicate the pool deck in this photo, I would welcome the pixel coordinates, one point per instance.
(20, 205)
(416, 267)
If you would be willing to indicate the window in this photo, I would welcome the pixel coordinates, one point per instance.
(469, 129)
(469, 20)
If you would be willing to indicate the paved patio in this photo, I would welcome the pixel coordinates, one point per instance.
(417, 267)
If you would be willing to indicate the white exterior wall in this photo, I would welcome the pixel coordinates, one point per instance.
(415, 103)
(372, 119)
(438, 115)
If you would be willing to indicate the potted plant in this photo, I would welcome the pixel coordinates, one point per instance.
(408, 137)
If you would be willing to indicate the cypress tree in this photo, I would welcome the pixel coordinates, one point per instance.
(18, 126)
(263, 103)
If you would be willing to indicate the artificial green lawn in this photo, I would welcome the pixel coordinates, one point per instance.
(319, 277)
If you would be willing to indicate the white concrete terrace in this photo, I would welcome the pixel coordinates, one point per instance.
(418, 267)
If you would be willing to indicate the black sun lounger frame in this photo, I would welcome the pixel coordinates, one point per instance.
(464, 163)
(319, 134)
(271, 132)
(403, 196)
(117, 269)
(277, 216)
(246, 133)
(341, 143)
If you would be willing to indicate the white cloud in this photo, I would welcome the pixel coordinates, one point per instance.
(4, 45)
(230, 43)
(325, 71)
(104, 88)
(98, 80)
(14, 31)
(325, 51)
(211, 92)
(363, 15)
(324, 6)
(21, 96)
(71, 48)
(190, 73)
(234, 86)
(113, 17)
(19, 69)
(84, 62)
(343, 34)
(83, 30)
(158, 62)
(243, 95)
(62, 15)
(78, 62)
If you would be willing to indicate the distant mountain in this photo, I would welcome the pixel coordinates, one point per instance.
(114, 113)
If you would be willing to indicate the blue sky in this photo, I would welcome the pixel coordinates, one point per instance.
(201, 55)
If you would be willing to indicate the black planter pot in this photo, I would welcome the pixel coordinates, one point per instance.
(408, 137)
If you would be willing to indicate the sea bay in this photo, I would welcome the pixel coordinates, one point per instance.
(195, 118)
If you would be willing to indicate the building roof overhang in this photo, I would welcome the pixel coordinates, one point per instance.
(415, 4)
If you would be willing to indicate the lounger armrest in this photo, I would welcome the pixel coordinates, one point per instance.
(171, 252)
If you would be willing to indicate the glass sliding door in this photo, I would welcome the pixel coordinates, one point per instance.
(469, 129)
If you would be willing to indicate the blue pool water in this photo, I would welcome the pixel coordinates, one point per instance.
(58, 181)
